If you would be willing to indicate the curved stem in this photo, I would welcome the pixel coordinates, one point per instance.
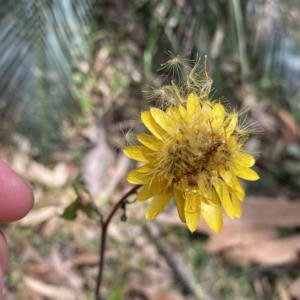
(104, 227)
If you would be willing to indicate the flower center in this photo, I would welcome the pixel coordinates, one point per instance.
(188, 156)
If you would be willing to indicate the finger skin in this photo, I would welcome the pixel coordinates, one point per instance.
(3, 260)
(16, 200)
(16, 197)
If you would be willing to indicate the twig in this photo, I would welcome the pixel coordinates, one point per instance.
(104, 227)
(176, 263)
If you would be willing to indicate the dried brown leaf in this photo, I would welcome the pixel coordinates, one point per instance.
(38, 216)
(96, 165)
(85, 259)
(153, 293)
(271, 211)
(290, 128)
(254, 238)
(33, 171)
(49, 291)
(294, 289)
(284, 251)
(238, 234)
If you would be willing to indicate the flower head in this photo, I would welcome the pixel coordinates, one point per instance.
(194, 154)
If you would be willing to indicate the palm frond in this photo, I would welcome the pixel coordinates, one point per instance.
(41, 42)
(277, 45)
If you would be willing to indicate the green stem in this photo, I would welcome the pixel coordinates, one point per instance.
(241, 37)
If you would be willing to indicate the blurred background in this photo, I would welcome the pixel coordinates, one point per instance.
(71, 80)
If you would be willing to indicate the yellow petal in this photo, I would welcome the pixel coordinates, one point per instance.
(157, 186)
(204, 186)
(179, 204)
(226, 176)
(149, 141)
(236, 205)
(139, 153)
(218, 114)
(137, 177)
(144, 194)
(182, 112)
(154, 187)
(238, 188)
(230, 124)
(193, 105)
(212, 215)
(245, 173)
(183, 184)
(215, 200)
(158, 203)
(233, 182)
(146, 168)
(173, 111)
(223, 194)
(152, 125)
(231, 142)
(244, 159)
(219, 111)
(164, 120)
(192, 210)
(206, 107)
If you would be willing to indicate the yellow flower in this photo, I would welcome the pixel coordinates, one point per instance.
(194, 154)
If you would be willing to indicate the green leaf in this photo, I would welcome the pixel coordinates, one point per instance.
(70, 212)
(116, 295)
